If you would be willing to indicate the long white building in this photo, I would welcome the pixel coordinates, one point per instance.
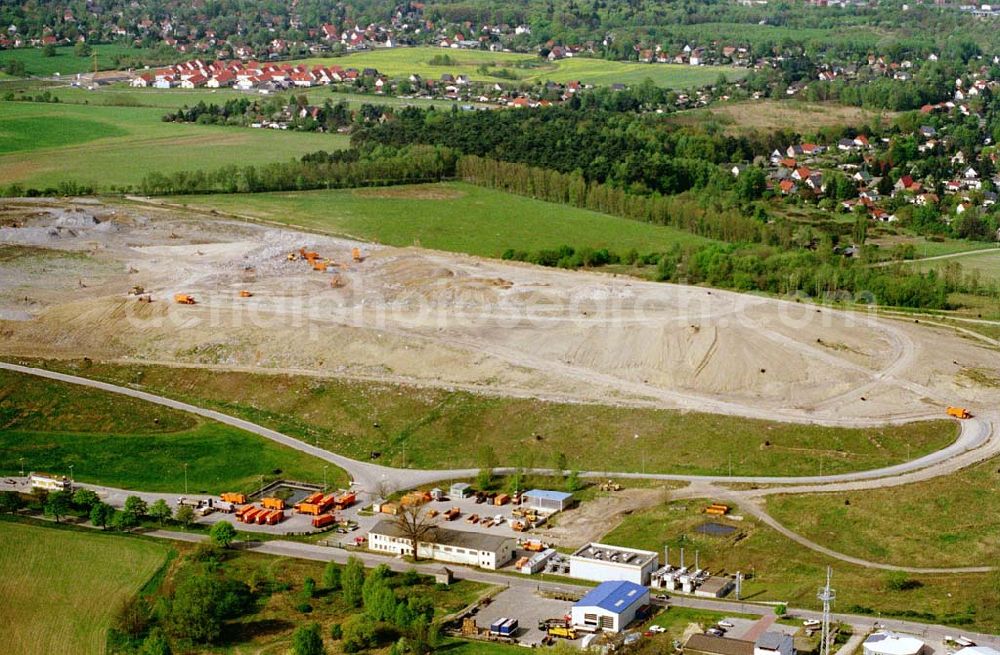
(601, 563)
(456, 546)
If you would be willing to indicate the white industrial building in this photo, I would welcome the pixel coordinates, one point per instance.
(600, 563)
(610, 606)
(459, 547)
(890, 643)
(547, 501)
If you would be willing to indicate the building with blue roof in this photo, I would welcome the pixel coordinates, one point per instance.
(611, 606)
(545, 500)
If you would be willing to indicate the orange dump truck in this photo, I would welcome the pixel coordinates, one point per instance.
(183, 299)
(452, 514)
(345, 500)
(250, 516)
(311, 499)
(272, 503)
(356, 254)
(319, 504)
(275, 517)
(415, 498)
(243, 511)
(245, 294)
(324, 520)
(501, 499)
(717, 509)
(232, 497)
(959, 412)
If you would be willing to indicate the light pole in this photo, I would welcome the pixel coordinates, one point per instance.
(185, 478)
(22, 467)
(71, 479)
(262, 485)
(325, 466)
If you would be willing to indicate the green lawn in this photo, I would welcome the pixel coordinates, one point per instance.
(65, 62)
(450, 216)
(401, 62)
(947, 521)
(123, 442)
(61, 587)
(428, 428)
(986, 265)
(781, 570)
(44, 144)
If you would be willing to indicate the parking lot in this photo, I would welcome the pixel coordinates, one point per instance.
(527, 608)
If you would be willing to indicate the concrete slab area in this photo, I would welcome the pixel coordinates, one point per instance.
(527, 608)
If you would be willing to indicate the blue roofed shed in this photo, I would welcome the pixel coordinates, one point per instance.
(611, 606)
(545, 500)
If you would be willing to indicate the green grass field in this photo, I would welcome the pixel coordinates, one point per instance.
(44, 144)
(948, 521)
(986, 264)
(61, 587)
(781, 570)
(401, 62)
(450, 216)
(65, 62)
(428, 428)
(123, 442)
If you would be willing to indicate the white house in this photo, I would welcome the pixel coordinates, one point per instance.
(611, 606)
(486, 551)
(49, 482)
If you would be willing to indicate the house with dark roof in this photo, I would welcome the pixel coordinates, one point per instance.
(701, 644)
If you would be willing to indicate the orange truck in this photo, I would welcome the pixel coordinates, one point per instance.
(959, 412)
(183, 299)
(272, 503)
(275, 517)
(235, 498)
(345, 500)
(324, 520)
(356, 254)
(250, 516)
(452, 514)
(246, 294)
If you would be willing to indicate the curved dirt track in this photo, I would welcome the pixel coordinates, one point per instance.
(978, 441)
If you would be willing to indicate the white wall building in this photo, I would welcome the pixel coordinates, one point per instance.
(456, 546)
(49, 482)
(610, 606)
(890, 643)
(600, 563)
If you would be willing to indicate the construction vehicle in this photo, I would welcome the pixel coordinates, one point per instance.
(241, 512)
(319, 266)
(415, 499)
(562, 631)
(517, 526)
(959, 412)
(292, 257)
(245, 294)
(232, 497)
(717, 509)
(501, 499)
(272, 503)
(344, 501)
(316, 504)
(431, 513)
(610, 485)
(356, 254)
(337, 281)
(136, 291)
(184, 299)
(534, 546)
(452, 514)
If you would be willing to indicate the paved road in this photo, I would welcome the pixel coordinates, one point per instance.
(978, 441)
(933, 634)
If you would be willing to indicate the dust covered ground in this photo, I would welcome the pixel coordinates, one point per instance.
(425, 317)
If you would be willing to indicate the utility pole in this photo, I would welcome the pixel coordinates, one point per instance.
(826, 595)
(71, 478)
(22, 467)
(262, 486)
(324, 477)
(185, 478)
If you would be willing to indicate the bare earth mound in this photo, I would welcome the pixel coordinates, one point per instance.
(452, 320)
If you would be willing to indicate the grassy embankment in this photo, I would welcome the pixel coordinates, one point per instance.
(43, 144)
(451, 216)
(61, 587)
(953, 520)
(781, 570)
(66, 63)
(430, 428)
(123, 442)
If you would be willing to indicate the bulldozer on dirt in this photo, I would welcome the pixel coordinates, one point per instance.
(246, 294)
(184, 299)
(137, 290)
(610, 485)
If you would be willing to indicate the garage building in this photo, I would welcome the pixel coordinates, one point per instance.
(547, 501)
(611, 606)
(599, 563)
(890, 643)
(457, 546)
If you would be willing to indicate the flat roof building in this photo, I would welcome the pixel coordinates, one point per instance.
(610, 606)
(486, 551)
(545, 500)
(600, 563)
(714, 586)
(49, 482)
(890, 643)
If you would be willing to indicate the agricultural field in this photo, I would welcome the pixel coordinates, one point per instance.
(779, 569)
(61, 587)
(124, 442)
(452, 216)
(122, 95)
(769, 115)
(952, 520)
(401, 62)
(43, 144)
(427, 428)
(65, 62)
